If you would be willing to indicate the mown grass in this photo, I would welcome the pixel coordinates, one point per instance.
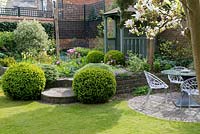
(32, 117)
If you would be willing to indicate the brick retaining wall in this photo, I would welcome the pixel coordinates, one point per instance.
(127, 84)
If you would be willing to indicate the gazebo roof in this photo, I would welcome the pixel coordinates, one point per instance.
(117, 11)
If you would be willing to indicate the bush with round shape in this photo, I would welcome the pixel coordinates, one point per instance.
(31, 37)
(23, 81)
(94, 85)
(95, 56)
(51, 74)
(114, 57)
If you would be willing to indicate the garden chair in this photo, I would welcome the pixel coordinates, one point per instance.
(176, 79)
(179, 68)
(155, 83)
(190, 87)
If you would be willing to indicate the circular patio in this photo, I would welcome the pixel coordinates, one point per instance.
(157, 107)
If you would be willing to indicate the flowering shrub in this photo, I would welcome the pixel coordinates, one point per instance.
(73, 54)
(31, 37)
(152, 17)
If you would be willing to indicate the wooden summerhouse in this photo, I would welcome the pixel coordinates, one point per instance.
(121, 39)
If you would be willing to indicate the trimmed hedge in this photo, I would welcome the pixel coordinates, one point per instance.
(95, 56)
(114, 57)
(23, 81)
(94, 85)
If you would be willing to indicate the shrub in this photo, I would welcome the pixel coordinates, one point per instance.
(7, 62)
(140, 91)
(82, 51)
(31, 37)
(7, 41)
(94, 85)
(23, 81)
(156, 66)
(114, 57)
(99, 65)
(135, 64)
(95, 56)
(51, 74)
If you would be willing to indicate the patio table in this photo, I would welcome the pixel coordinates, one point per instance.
(185, 74)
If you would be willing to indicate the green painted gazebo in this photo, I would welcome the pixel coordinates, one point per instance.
(121, 39)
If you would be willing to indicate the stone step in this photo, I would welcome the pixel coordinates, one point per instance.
(58, 95)
(61, 82)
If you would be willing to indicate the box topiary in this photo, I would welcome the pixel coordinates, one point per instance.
(23, 81)
(51, 73)
(114, 57)
(94, 85)
(95, 56)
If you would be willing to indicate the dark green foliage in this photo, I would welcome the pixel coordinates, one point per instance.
(49, 29)
(94, 85)
(51, 74)
(7, 62)
(156, 66)
(167, 66)
(114, 57)
(7, 41)
(23, 81)
(82, 51)
(2, 55)
(95, 56)
(11, 26)
(8, 26)
(123, 6)
(146, 66)
(140, 91)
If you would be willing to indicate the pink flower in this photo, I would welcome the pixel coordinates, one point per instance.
(71, 51)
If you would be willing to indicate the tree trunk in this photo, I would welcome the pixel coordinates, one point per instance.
(193, 15)
(150, 52)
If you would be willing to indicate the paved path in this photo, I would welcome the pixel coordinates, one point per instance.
(156, 107)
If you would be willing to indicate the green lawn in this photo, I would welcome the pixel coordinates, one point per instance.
(17, 117)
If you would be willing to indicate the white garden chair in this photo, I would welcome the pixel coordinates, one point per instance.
(155, 83)
(190, 87)
(176, 79)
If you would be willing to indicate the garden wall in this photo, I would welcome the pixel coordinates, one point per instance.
(128, 84)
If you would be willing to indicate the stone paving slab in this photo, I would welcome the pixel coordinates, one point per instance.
(157, 107)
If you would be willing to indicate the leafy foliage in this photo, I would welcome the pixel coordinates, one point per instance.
(51, 74)
(94, 85)
(135, 64)
(95, 56)
(11, 26)
(23, 81)
(7, 41)
(68, 69)
(140, 91)
(30, 36)
(7, 62)
(82, 51)
(114, 57)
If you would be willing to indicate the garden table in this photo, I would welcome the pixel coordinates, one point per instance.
(185, 74)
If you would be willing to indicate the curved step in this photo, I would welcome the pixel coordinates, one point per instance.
(62, 82)
(59, 95)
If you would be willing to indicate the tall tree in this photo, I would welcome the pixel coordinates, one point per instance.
(192, 10)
